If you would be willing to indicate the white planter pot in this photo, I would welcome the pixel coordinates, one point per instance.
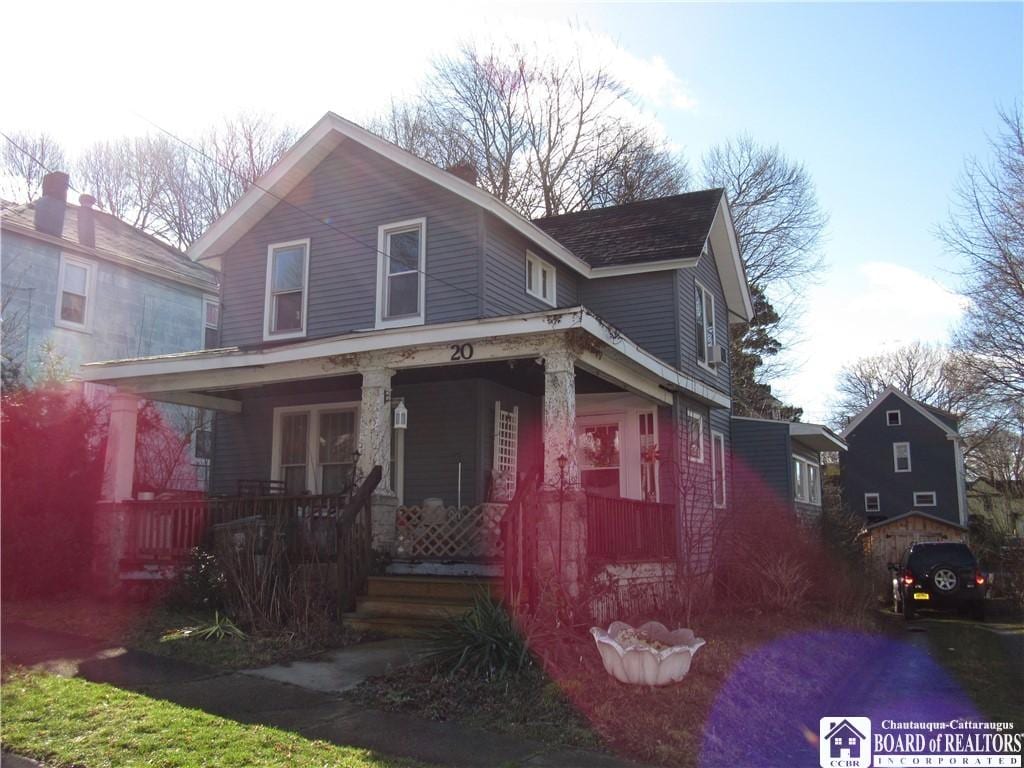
(647, 655)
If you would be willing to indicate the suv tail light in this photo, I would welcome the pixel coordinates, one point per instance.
(908, 577)
(979, 578)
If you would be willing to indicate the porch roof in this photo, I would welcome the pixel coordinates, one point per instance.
(189, 377)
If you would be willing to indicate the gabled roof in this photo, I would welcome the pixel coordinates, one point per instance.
(332, 130)
(116, 241)
(943, 420)
(890, 520)
(843, 725)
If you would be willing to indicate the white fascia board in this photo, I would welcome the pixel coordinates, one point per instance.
(951, 433)
(390, 339)
(730, 264)
(816, 436)
(636, 269)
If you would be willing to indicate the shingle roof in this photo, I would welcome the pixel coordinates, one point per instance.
(118, 238)
(662, 229)
(950, 419)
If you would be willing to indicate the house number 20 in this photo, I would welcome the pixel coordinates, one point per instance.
(462, 351)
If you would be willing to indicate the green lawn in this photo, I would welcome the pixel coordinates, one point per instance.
(71, 722)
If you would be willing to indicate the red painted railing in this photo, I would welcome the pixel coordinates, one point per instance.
(627, 530)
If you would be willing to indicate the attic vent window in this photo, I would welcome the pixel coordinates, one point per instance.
(540, 279)
(892, 418)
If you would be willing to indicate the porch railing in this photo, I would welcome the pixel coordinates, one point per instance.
(629, 530)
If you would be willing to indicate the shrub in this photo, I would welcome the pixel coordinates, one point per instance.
(200, 584)
(485, 642)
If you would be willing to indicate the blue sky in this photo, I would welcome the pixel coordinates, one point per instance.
(882, 103)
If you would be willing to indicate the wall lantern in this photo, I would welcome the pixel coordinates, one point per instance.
(401, 415)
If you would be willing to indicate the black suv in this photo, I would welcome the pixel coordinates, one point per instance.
(938, 576)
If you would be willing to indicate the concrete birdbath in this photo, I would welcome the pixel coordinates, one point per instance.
(646, 655)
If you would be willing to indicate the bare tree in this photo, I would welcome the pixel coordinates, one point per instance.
(987, 229)
(26, 158)
(544, 132)
(123, 175)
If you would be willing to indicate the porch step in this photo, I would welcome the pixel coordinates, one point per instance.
(414, 605)
(438, 587)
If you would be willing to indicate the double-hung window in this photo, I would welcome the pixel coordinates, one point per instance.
(284, 315)
(872, 503)
(74, 301)
(718, 468)
(400, 271)
(211, 322)
(540, 279)
(704, 301)
(695, 437)
(314, 447)
(806, 481)
(901, 457)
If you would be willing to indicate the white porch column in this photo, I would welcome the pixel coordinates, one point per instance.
(375, 426)
(560, 418)
(119, 462)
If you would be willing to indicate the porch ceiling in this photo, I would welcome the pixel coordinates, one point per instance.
(207, 378)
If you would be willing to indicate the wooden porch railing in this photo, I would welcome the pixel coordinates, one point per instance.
(520, 543)
(629, 530)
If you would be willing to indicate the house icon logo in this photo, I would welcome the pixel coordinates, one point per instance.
(844, 742)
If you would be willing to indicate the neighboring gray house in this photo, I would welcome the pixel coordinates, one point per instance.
(778, 464)
(94, 288)
(904, 456)
(378, 310)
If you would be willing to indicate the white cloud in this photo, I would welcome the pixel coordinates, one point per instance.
(872, 308)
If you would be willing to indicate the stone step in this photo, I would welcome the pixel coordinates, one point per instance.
(390, 626)
(439, 587)
(413, 607)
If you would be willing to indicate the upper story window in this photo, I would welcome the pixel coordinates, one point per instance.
(806, 481)
(924, 498)
(284, 315)
(901, 457)
(704, 302)
(695, 436)
(400, 267)
(540, 279)
(718, 468)
(211, 322)
(892, 418)
(75, 293)
(872, 503)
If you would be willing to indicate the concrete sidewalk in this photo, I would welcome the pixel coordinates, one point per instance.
(256, 697)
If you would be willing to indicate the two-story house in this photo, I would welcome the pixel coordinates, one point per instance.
(904, 456)
(378, 310)
(88, 286)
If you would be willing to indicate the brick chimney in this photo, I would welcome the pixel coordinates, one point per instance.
(86, 220)
(465, 171)
(49, 208)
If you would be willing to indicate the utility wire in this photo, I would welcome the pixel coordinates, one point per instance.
(36, 160)
(371, 247)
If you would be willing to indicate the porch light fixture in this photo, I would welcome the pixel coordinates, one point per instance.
(401, 415)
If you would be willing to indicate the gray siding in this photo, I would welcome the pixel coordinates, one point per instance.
(504, 274)
(356, 191)
(867, 467)
(706, 273)
(641, 306)
(762, 464)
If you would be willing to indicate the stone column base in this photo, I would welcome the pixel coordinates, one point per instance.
(383, 514)
(561, 540)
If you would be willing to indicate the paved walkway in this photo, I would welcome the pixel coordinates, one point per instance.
(260, 696)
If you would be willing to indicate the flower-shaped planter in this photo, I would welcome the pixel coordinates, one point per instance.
(647, 655)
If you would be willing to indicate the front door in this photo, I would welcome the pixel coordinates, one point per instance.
(599, 447)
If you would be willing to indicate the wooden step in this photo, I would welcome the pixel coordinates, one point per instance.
(391, 626)
(414, 607)
(439, 587)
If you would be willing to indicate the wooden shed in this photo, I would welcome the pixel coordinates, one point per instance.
(885, 541)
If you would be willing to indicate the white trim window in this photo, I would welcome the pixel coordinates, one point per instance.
(872, 502)
(76, 283)
(401, 265)
(211, 322)
(287, 290)
(695, 437)
(901, 457)
(893, 418)
(647, 427)
(540, 279)
(924, 499)
(806, 481)
(314, 447)
(704, 302)
(202, 437)
(718, 468)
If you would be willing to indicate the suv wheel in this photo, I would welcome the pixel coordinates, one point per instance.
(944, 578)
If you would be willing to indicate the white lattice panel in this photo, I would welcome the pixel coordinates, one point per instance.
(450, 533)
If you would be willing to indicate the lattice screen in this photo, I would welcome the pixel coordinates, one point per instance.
(450, 533)
(506, 451)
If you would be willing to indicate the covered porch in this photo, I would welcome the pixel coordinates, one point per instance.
(456, 416)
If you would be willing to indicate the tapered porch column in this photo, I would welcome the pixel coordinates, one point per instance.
(119, 461)
(375, 426)
(560, 418)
